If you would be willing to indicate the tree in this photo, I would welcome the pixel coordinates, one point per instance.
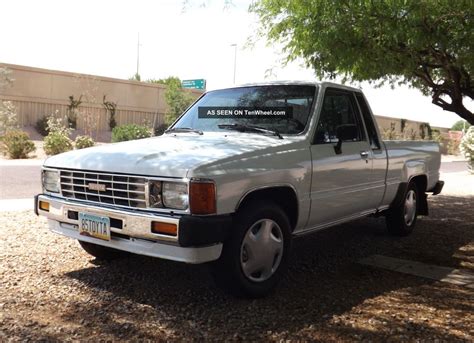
(423, 43)
(135, 77)
(111, 108)
(177, 99)
(460, 125)
(8, 119)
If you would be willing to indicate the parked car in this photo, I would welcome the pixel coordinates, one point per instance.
(235, 191)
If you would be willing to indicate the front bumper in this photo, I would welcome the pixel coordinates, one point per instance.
(199, 239)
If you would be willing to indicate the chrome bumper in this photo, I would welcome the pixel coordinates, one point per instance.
(135, 236)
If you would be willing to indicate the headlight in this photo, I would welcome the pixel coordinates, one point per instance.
(175, 195)
(154, 194)
(50, 179)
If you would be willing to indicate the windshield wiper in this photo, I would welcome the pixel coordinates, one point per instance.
(245, 127)
(184, 129)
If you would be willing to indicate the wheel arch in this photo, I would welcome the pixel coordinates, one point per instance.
(284, 195)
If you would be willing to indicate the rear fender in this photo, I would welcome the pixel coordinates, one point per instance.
(413, 168)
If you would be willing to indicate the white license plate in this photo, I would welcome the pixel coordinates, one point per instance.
(94, 226)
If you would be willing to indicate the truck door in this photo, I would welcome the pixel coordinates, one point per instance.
(379, 154)
(341, 172)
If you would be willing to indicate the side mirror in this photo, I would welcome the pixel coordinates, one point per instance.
(347, 132)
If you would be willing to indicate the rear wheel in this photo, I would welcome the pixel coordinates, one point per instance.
(255, 257)
(401, 220)
(100, 252)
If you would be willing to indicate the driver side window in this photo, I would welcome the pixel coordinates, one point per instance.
(338, 110)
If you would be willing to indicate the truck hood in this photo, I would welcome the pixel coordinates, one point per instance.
(170, 155)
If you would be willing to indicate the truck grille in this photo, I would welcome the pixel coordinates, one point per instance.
(121, 190)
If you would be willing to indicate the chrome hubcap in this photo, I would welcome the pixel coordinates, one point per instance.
(261, 250)
(410, 207)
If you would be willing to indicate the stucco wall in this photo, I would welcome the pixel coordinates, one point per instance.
(39, 92)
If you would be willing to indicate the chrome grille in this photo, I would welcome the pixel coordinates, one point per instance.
(120, 190)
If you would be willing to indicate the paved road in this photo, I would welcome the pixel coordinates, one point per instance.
(19, 181)
(453, 167)
(23, 181)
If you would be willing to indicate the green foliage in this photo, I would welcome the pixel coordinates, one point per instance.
(425, 44)
(5, 77)
(17, 144)
(160, 129)
(57, 140)
(453, 147)
(72, 110)
(83, 142)
(42, 126)
(437, 137)
(403, 123)
(460, 125)
(56, 143)
(467, 147)
(177, 99)
(390, 134)
(8, 120)
(426, 132)
(130, 132)
(135, 77)
(111, 108)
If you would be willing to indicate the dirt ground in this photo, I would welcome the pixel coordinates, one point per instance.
(53, 291)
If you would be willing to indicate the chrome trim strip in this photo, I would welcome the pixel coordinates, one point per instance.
(334, 223)
(105, 196)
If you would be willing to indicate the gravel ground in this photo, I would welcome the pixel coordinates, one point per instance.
(51, 290)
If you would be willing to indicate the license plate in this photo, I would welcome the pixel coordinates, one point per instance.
(94, 226)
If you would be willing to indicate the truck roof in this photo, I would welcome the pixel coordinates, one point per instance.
(295, 83)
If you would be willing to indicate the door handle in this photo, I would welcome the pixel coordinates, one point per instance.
(364, 154)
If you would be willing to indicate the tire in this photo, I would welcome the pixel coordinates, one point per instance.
(100, 252)
(401, 220)
(255, 256)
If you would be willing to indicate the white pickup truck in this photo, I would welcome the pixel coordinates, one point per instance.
(235, 190)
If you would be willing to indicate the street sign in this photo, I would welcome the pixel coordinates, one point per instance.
(196, 84)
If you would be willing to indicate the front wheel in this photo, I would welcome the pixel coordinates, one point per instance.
(401, 220)
(255, 257)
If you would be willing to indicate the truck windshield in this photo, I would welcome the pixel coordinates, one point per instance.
(284, 109)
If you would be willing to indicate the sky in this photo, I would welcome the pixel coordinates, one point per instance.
(189, 39)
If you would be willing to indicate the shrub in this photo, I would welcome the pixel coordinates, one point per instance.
(453, 147)
(17, 144)
(56, 142)
(467, 147)
(8, 120)
(160, 129)
(83, 142)
(42, 126)
(130, 132)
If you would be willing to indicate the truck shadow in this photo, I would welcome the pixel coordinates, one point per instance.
(323, 288)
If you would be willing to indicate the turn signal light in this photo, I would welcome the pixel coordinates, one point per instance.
(164, 228)
(43, 205)
(202, 197)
